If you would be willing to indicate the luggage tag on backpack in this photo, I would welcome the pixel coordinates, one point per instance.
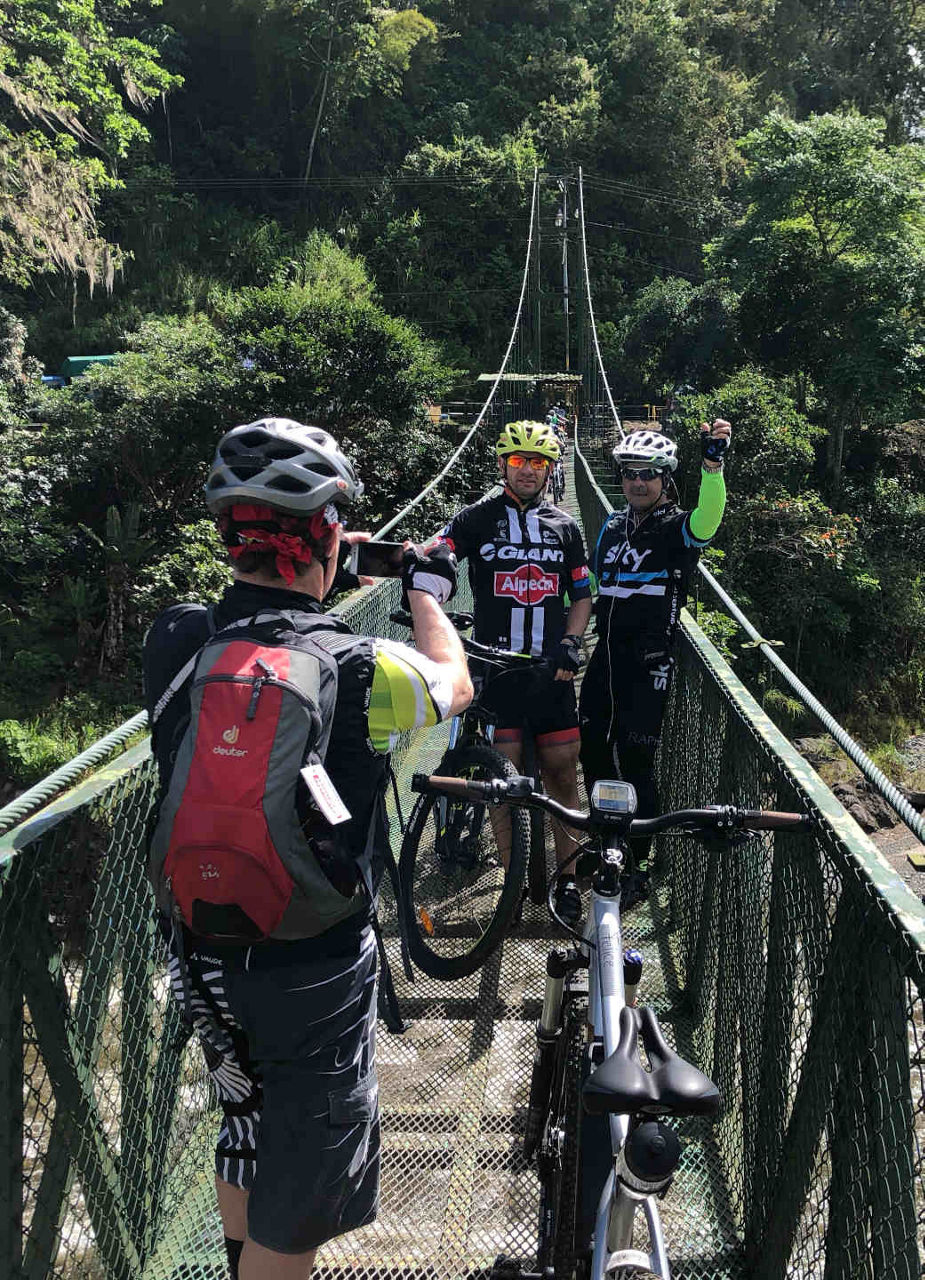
(325, 794)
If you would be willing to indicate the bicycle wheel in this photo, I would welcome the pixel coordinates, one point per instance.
(457, 895)
(537, 877)
(571, 1257)
(536, 865)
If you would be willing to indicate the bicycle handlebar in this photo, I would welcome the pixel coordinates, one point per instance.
(461, 621)
(474, 648)
(519, 791)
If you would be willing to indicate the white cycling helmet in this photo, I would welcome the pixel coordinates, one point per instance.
(647, 448)
(283, 464)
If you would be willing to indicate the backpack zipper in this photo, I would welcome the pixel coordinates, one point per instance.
(258, 682)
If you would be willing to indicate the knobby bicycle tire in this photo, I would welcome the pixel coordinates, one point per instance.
(457, 898)
(536, 868)
(536, 864)
(569, 1254)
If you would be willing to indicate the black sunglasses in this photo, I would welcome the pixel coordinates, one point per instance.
(640, 473)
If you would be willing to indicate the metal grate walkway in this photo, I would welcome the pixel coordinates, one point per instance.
(455, 1189)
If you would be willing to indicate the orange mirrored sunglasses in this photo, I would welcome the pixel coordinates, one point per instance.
(517, 460)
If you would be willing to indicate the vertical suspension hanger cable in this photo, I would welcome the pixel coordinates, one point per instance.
(597, 348)
(454, 457)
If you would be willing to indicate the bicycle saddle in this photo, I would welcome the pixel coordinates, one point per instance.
(621, 1085)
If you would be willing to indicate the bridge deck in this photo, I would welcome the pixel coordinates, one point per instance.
(456, 1191)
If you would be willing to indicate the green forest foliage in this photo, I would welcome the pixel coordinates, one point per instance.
(318, 208)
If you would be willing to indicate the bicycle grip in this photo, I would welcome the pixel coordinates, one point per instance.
(770, 820)
(463, 787)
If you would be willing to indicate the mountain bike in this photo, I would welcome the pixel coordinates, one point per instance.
(596, 1118)
(557, 482)
(459, 891)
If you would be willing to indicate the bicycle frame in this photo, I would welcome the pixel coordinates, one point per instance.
(627, 1186)
(616, 1213)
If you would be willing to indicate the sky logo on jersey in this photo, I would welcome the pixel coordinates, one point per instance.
(529, 585)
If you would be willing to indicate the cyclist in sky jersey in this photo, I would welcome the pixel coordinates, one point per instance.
(643, 561)
(532, 593)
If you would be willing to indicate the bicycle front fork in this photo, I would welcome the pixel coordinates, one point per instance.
(559, 964)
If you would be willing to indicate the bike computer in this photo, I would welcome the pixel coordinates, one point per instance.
(614, 799)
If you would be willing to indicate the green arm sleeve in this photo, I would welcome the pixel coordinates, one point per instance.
(711, 503)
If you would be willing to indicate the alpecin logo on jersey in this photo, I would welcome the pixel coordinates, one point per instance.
(529, 585)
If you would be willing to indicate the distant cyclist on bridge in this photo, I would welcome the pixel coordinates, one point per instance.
(271, 727)
(530, 582)
(557, 420)
(643, 561)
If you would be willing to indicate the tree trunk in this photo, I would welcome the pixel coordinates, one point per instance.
(835, 451)
(114, 629)
(323, 96)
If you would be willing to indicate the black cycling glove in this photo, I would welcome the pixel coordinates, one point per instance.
(567, 655)
(713, 448)
(434, 572)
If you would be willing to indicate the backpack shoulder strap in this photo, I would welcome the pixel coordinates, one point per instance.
(186, 670)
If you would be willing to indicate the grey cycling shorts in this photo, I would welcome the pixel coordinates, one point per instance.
(290, 1046)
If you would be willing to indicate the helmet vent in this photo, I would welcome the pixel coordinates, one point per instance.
(246, 470)
(255, 439)
(287, 484)
(280, 449)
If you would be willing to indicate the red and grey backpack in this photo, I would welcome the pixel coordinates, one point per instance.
(235, 852)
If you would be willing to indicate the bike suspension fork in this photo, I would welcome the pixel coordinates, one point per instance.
(559, 964)
(456, 725)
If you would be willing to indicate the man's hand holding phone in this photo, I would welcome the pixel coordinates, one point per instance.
(374, 559)
(433, 571)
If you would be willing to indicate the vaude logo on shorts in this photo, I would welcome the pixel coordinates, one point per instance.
(544, 555)
(527, 585)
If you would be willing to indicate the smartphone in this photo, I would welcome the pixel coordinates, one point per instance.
(376, 559)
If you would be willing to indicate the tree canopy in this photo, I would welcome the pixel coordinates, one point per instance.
(319, 207)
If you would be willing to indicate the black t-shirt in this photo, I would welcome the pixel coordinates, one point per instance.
(526, 564)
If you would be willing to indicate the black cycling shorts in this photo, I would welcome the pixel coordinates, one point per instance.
(532, 700)
(290, 1045)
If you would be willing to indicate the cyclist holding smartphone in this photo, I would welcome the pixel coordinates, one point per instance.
(532, 594)
(287, 1025)
(643, 561)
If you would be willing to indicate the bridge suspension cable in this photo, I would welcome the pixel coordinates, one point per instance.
(473, 430)
(590, 305)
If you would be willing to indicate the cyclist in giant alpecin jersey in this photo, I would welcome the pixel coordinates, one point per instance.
(643, 561)
(532, 593)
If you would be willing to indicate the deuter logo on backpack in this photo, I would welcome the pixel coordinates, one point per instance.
(230, 736)
(229, 856)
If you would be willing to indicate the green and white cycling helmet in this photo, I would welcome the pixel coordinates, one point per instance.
(528, 437)
(280, 463)
(647, 449)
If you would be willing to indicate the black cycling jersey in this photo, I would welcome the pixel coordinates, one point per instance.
(643, 569)
(523, 564)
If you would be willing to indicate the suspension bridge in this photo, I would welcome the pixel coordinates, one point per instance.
(792, 971)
